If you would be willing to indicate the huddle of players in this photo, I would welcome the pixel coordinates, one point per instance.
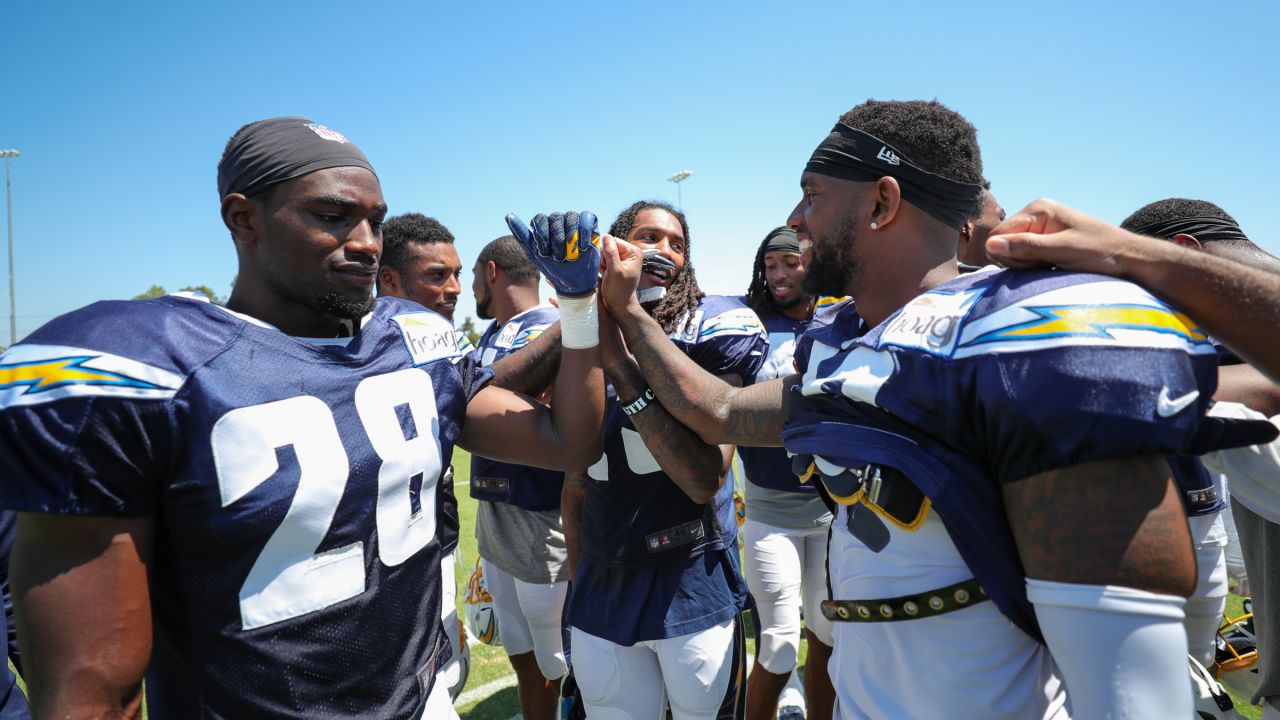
(1004, 516)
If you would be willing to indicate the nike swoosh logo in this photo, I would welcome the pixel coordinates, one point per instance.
(1168, 407)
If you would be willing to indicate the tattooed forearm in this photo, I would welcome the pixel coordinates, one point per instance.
(693, 465)
(531, 369)
(700, 400)
(1112, 522)
(758, 415)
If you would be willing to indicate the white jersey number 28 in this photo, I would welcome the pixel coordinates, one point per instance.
(289, 579)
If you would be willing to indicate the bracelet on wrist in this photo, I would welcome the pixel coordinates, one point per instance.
(640, 403)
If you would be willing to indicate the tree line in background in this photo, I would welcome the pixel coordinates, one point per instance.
(156, 291)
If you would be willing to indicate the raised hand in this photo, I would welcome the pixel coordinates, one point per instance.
(565, 247)
(623, 262)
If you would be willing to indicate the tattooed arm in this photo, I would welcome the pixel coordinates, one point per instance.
(696, 467)
(717, 411)
(1110, 522)
(572, 497)
(531, 369)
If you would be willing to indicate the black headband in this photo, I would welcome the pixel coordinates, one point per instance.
(1201, 228)
(851, 154)
(272, 151)
(782, 239)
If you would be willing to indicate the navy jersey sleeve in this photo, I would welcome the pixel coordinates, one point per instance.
(474, 376)
(86, 413)
(730, 339)
(1088, 372)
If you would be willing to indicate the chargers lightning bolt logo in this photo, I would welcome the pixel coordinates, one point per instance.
(1095, 321)
(59, 372)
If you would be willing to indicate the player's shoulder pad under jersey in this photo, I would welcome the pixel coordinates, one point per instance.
(718, 316)
(140, 349)
(525, 327)
(428, 336)
(1005, 311)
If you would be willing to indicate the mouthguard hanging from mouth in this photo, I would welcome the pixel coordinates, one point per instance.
(660, 267)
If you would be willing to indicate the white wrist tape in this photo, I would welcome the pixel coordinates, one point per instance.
(579, 324)
(1122, 652)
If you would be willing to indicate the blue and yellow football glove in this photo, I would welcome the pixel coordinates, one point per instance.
(565, 247)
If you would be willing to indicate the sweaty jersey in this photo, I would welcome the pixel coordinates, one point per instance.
(524, 487)
(295, 486)
(653, 562)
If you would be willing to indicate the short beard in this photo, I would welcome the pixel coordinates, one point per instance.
(341, 306)
(832, 268)
(482, 306)
(789, 302)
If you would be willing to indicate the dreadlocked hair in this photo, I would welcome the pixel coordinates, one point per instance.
(684, 294)
(759, 298)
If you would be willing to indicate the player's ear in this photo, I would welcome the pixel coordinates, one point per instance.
(1187, 241)
(888, 198)
(240, 215)
(491, 272)
(389, 282)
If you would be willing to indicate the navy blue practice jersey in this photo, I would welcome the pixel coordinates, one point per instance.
(524, 487)
(654, 563)
(295, 488)
(765, 466)
(1007, 375)
(631, 501)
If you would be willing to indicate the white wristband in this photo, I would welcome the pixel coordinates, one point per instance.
(579, 324)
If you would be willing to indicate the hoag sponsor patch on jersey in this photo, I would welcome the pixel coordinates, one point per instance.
(427, 337)
(931, 322)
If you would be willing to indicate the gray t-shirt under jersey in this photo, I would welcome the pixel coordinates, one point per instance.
(526, 544)
(786, 510)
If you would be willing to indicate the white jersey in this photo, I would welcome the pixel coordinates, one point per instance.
(886, 668)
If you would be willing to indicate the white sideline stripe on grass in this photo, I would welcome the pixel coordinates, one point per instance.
(477, 694)
(485, 690)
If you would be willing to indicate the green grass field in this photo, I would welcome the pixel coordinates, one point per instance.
(490, 667)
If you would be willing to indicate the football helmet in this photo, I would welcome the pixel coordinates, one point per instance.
(481, 621)
(1236, 659)
(463, 663)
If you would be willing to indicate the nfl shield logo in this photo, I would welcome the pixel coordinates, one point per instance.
(328, 134)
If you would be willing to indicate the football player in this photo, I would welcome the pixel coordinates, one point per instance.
(1203, 226)
(420, 263)
(1007, 523)
(971, 250)
(243, 503)
(657, 591)
(785, 533)
(518, 530)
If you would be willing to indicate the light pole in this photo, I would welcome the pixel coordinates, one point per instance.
(678, 178)
(8, 196)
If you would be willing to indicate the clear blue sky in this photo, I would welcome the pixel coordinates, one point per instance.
(471, 110)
